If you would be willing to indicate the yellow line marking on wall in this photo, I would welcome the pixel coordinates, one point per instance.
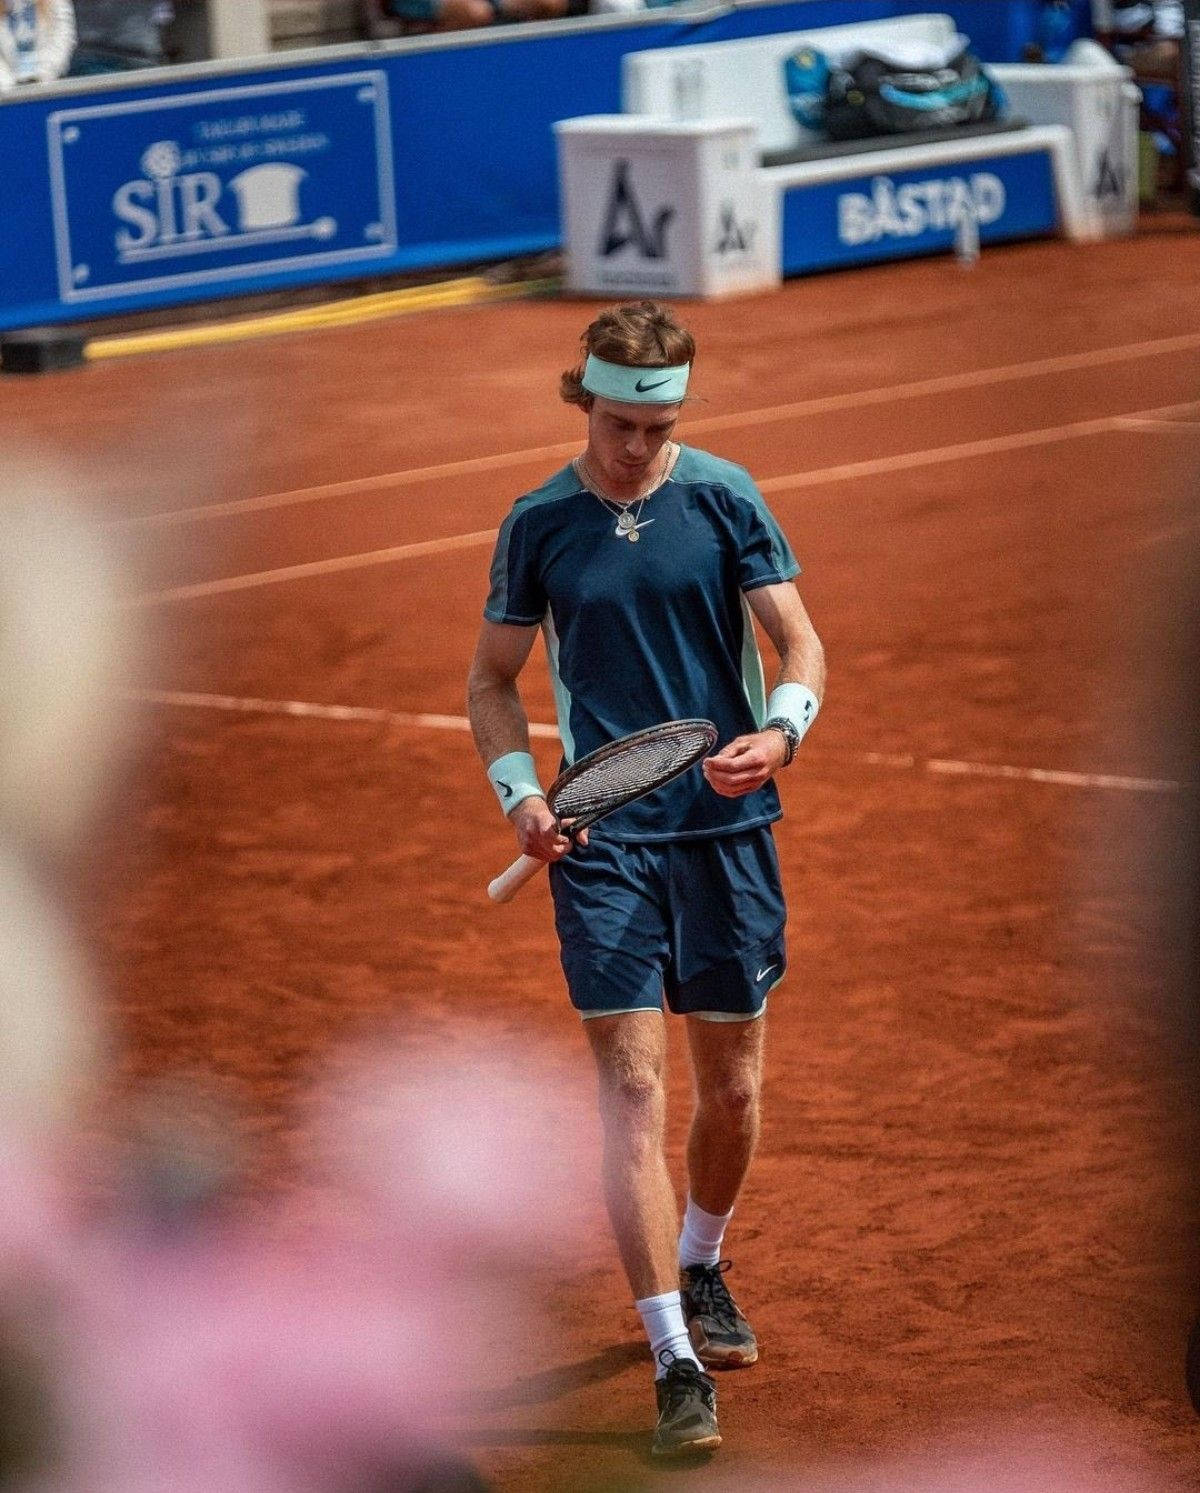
(471, 291)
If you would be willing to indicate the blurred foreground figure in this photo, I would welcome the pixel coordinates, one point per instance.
(154, 1335)
(320, 1346)
(170, 1340)
(61, 666)
(64, 661)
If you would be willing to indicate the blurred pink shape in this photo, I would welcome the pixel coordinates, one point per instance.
(325, 1340)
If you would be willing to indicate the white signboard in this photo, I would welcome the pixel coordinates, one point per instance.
(664, 208)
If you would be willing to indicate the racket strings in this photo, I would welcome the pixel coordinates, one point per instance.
(636, 768)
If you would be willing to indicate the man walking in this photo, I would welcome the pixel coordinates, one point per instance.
(644, 563)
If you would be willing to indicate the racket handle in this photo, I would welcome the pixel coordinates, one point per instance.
(506, 886)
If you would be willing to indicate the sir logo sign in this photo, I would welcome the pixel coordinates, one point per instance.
(170, 210)
(197, 187)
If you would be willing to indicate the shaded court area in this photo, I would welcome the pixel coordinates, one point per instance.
(970, 1231)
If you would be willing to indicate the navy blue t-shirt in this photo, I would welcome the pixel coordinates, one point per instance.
(657, 630)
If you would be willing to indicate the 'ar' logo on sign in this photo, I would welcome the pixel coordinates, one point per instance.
(1110, 179)
(624, 223)
(733, 237)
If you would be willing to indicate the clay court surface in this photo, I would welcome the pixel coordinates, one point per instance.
(973, 1211)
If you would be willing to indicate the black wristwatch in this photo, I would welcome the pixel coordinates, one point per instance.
(791, 737)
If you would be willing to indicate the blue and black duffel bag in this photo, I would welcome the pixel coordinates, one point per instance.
(869, 93)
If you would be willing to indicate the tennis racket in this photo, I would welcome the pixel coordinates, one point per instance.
(608, 779)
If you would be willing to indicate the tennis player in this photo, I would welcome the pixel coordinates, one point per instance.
(643, 562)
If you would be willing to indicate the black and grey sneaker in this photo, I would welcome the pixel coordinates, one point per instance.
(721, 1336)
(687, 1410)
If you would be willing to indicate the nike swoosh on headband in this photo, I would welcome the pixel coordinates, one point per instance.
(653, 384)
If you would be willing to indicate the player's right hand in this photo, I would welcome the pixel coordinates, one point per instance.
(538, 831)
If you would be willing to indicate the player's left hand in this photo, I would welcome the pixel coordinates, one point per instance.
(745, 764)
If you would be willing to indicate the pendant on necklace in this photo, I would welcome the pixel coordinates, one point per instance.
(624, 521)
(633, 536)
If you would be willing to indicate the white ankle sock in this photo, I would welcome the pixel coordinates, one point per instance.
(662, 1317)
(700, 1239)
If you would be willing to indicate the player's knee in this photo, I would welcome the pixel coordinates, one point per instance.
(632, 1098)
(734, 1096)
(635, 1092)
(630, 1066)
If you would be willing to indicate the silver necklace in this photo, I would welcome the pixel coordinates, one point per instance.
(629, 519)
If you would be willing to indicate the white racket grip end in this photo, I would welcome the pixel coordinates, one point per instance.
(506, 886)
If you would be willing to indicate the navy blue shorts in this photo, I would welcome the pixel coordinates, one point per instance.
(701, 921)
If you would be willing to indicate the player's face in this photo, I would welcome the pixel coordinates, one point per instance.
(626, 440)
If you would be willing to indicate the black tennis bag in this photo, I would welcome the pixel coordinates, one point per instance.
(870, 95)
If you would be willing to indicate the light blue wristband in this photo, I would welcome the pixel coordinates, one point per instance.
(797, 703)
(514, 777)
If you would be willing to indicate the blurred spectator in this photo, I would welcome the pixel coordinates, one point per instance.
(387, 18)
(116, 35)
(1057, 25)
(612, 7)
(36, 40)
(1118, 21)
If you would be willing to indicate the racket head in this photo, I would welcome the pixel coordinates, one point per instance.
(627, 769)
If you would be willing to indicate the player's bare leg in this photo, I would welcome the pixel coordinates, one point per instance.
(727, 1069)
(630, 1053)
(727, 1058)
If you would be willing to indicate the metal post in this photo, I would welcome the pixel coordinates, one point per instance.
(1190, 98)
(237, 28)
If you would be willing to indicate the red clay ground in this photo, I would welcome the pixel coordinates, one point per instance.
(974, 1204)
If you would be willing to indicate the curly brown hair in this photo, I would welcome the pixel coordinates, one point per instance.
(638, 334)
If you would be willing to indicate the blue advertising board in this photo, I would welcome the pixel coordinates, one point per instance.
(860, 220)
(175, 185)
(220, 185)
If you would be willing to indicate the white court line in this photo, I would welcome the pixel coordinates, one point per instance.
(905, 461)
(963, 451)
(249, 706)
(944, 767)
(1183, 530)
(989, 446)
(1136, 422)
(1052, 775)
(313, 568)
(827, 404)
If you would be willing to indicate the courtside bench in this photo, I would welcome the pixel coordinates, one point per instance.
(707, 184)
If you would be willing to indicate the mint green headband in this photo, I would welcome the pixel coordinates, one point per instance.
(635, 385)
